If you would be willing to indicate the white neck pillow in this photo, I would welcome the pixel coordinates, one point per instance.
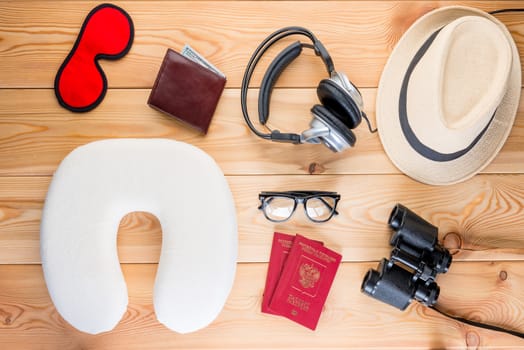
(99, 183)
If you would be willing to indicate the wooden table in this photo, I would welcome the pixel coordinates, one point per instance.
(480, 219)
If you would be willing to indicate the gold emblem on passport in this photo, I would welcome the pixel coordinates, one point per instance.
(309, 275)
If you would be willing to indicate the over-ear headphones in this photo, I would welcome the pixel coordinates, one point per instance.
(341, 102)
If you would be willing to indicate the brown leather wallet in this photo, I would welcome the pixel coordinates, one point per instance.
(186, 91)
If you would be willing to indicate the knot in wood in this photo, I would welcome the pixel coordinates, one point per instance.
(472, 339)
(503, 275)
(315, 168)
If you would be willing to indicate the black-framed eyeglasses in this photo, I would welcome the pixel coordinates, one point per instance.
(319, 206)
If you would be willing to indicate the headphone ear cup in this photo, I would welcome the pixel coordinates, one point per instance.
(339, 103)
(335, 124)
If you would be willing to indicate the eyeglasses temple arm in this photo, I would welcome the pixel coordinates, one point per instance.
(263, 201)
(329, 206)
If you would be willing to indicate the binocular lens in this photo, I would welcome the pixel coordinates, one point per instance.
(370, 282)
(427, 294)
(395, 218)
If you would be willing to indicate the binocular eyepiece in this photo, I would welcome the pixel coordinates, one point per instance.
(415, 261)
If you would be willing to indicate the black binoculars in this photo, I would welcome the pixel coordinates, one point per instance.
(415, 261)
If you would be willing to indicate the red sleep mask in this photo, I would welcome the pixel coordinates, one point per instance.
(107, 32)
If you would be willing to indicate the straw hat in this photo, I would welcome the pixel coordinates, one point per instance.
(448, 95)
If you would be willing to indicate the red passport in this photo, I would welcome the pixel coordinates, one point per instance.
(279, 252)
(305, 282)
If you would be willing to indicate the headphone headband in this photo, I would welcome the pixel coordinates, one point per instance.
(319, 49)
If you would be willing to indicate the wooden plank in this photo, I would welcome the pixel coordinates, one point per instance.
(35, 138)
(359, 35)
(483, 216)
(480, 220)
(350, 320)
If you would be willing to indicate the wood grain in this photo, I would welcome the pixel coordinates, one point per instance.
(358, 34)
(483, 217)
(480, 220)
(35, 138)
(29, 320)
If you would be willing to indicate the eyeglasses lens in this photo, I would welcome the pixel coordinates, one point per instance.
(320, 208)
(279, 208)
